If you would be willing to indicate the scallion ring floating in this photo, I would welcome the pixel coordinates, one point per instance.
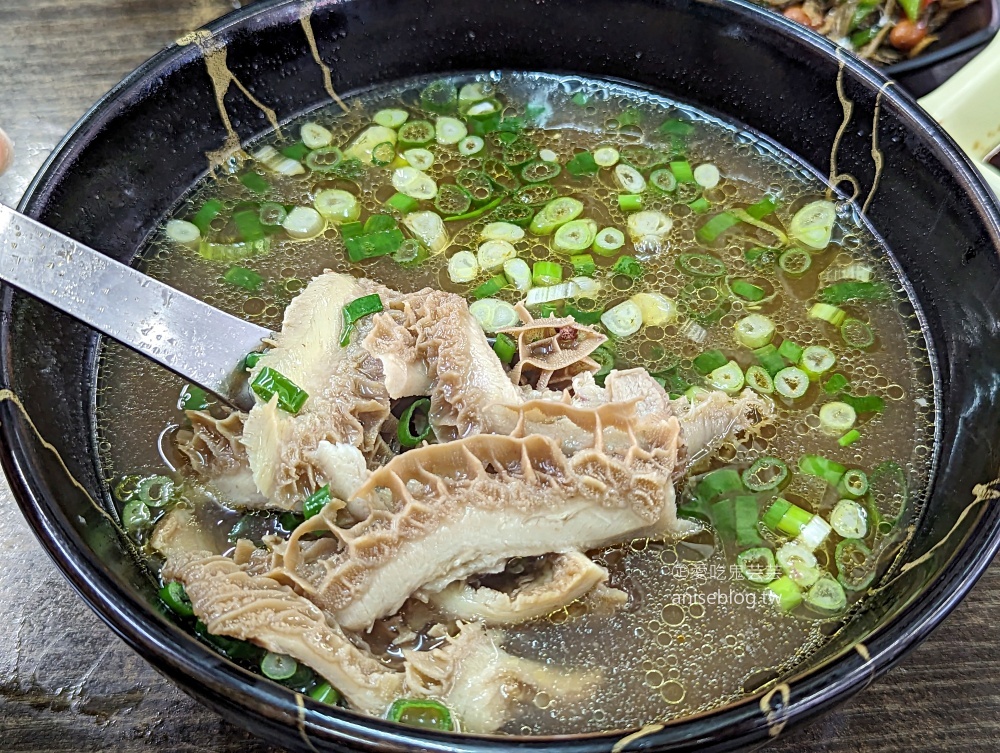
(754, 331)
(856, 564)
(729, 378)
(606, 156)
(791, 382)
(421, 159)
(759, 380)
(315, 136)
(391, 117)
(538, 171)
(414, 183)
(574, 236)
(608, 241)
(493, 314)
(812, 225)
(700, 265)
(765, 474)
(630, 179)
(849, 519)
(856, 333)
(450, 131)
(837, 418)
(278, 666)
(414, 425)
(555, 214)
(757, 565)
(470, 145)
(817, 360)
(853, 484)
(795, 262)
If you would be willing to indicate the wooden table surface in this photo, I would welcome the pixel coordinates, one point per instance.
(68, 684)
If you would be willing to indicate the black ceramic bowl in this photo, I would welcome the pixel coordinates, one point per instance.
(144, 145)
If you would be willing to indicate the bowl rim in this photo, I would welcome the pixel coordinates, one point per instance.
(223, 685)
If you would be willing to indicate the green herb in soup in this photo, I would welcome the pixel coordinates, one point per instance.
(554, 356)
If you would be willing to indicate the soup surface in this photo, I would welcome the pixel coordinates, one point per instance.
(661, 239)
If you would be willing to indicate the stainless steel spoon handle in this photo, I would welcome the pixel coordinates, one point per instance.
(195, 340)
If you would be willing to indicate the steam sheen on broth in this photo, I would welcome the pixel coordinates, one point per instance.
(722, 277)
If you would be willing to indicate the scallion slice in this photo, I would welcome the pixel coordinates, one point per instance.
(784, 517)
(765, 474)
(421, 159)
(849, 438)
(795, 262)
(812, 225)
(836, 418)
(505, 348)
(269, 383)
(471, 145)
(817, 465)
(356, 310)
(583, 264)
(853, 484)
(791, 382)
(754, 331)
(315, 136)
(706, 175)
(630, 202)
(790, 351)
(582, 163)
(451, 200)
(574, 236)
(728, 378)
(608, 241)
(700, 205)
(449, 131)
(391, 117)
(757, 565)
(622, 320)
(864, 404)
(313, 504)
(759, 380)
(546, 273)
(709, 361)
(493, 314)
(628, 266)
(849, 519)
(439, 96)
(243, 278)
(183, 232)
(410, 253)
(518, 273)
(230, 252)
(716, 226)
(856, 333)
(657, 310)
(826, 597)
(817, 360)
(414, 425)
(606, 156)
(770, 359)
(428, 227)
(255, 182)
(630, 179)
(682, 171)
(276, 162)
(428, 714)
(836, 383)
(798, 563)
(337, 205)
(700, 265)
(785, 593)
(278, 666)
(555, 214)
(415, 133)
(176, 598)
(855, 564)
(828, 313)
(463, 267)
(325, 693)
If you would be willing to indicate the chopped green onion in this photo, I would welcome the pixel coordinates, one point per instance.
(401, 203)
(421, 159)
(776, 512)
(700, 205)
(463, 267)
(759, 380)
(342, 206)
(476, 212)
(629, 180)
(583, 264)
(828, 313)
(414, 183)
(795, 262)
(297, 152)
(383, 154)
(606, 156)
(622, 320)
(770, 359)
(538, 171)
(248, 224)
(582, 163)
(709, 361)
(718, 483)
(663, 180)
(493, 314)
(546, 273)
(243, 278)
(313, 504)
(439, 96)
(812, 225)
(836, 383)
(791, 382)
(816, 465)
(272, 214)
(836, 418)
(723, 517)
(410, 253)
(584, 317)
(728, 378)
(747, 290)
(757, 565)
(798, 563)
(855, 564)
(450, 131)
(791, 519)
(276, 162)
(391, 117)
(269, 382)
(176, 598)
(814, 533)
(844, 292)
(278, 666)
(303, 223)
(192, 398)
(421, 713)
(700, 265)
(251, 359)
(629, 202)
(849, 438)
(628, 266)
(255, 182)
(682, 171)
(817, 360)
(675, 127)
(754, 331)
(536, 194)
(707, 175)
(183, 232)
(418, 409)
(325, 693)
(608, 241)
(502, 231)
(505, 348)
(471, 145)
(356, 310)
(580, 99)
(849, 519)
(324, 160)
(716, 226)
(574, 236)
(208, 212)
(477, 91)
(765, 474)
(452, 200)
(746, 521)
(853, 484)
(494, 254)
(865, 404)
(762, 208)
(490, 288)
(790, 351)
(785, 593)
(373, 244)
(760, 257)
(518, 152)
(415, 134)
(555, 214)
(826, 597)
(856, 333)
(657, 310)
(519, 274)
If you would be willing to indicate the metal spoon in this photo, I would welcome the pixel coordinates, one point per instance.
(200, 343)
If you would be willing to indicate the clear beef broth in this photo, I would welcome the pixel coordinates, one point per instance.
(694, 634)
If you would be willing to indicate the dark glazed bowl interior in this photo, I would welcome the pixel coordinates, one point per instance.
(144, 145)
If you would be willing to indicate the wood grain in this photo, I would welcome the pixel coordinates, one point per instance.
(68, 685)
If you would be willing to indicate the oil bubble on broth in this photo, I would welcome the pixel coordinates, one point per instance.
(695, 633)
